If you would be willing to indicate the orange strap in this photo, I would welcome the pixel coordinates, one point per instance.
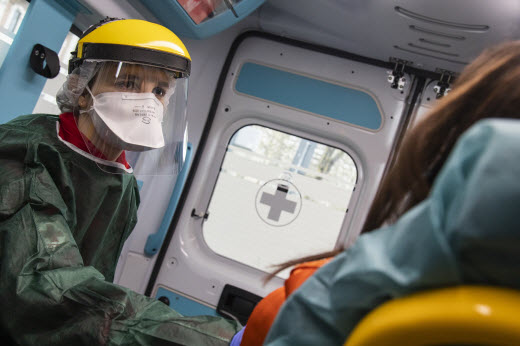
(266, 310)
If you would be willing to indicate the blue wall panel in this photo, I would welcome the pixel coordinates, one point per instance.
(309, 94)
(185, 306)
(46, 22)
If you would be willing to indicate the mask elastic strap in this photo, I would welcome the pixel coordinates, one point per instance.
(89, 91)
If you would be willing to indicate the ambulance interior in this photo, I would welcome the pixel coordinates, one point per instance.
(295, 111)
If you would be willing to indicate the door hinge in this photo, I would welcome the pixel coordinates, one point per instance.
(396, 77)
(442, 88)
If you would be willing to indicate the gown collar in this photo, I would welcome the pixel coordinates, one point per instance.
(69, 132)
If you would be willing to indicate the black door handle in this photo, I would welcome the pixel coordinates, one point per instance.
(44, 61)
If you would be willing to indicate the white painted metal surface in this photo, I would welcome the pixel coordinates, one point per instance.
(191, 267)
(207, 60)
(431, 34)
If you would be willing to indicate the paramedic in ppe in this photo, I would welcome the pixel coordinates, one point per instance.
(68, 195)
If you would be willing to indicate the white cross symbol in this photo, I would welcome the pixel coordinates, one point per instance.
(278, 202)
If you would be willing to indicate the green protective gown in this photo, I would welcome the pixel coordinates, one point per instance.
(63, 222)
(466, 232)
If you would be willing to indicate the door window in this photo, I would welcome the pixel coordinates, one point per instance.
(278, 197)
(11, 16)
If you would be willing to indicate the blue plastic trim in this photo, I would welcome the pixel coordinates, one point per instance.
(185, 306)
(45, 22)
(308, 94)
(173, 16)
(74, 6)
(154, 241)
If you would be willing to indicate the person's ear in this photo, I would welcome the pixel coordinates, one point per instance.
(82, 101)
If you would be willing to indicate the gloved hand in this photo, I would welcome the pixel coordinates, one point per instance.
(237, 339)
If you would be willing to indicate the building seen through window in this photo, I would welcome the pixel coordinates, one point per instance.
(278, 197)
(11, 16)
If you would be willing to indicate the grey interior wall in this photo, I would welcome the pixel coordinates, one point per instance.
(431, 34)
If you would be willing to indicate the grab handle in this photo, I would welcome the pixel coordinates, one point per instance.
(155, 240)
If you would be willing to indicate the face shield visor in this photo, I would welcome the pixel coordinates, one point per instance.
(132, 118)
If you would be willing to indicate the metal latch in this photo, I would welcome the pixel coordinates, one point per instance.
(442, 88)
(199, 214)
(396, 76)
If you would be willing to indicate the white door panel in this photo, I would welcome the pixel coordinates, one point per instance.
(196, 264)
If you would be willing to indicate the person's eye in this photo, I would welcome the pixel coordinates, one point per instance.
(159, 92)
(127, 84)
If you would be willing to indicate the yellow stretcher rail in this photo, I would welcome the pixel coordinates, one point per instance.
(465, 315)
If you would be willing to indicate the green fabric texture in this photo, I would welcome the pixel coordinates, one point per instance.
(466, 232)
(63, 222)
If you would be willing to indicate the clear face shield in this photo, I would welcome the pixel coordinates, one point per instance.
(133, 118)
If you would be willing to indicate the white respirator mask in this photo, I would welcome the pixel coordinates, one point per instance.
(130, 121)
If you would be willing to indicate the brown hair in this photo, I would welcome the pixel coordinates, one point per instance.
(487, 88)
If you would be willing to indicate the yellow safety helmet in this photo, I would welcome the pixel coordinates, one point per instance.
(133, 41)
(128, 89)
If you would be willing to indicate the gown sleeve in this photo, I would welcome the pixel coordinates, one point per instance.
(466, 232)
(47, 295)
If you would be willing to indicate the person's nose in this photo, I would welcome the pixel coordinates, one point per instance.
(149, 87)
